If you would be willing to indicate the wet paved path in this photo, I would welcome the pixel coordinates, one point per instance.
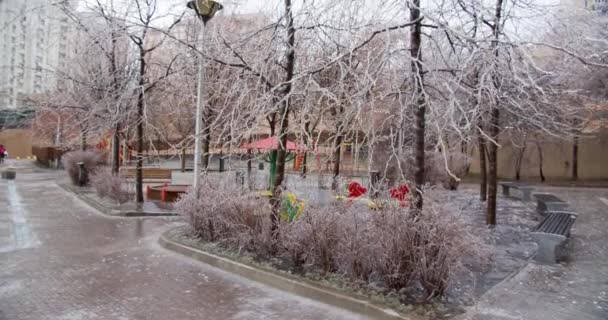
(60, 259)
(576, 289)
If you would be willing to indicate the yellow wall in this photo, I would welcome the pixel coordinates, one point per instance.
(18, 142)
(557, 160)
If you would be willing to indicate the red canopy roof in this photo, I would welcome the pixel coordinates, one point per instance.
(272, 143)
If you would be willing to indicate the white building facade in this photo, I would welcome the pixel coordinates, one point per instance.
(34, 45)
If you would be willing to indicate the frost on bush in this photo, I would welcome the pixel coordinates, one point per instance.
(110, 186)
(388, 247)
(229, 214)
(312, 239)
(71, 159)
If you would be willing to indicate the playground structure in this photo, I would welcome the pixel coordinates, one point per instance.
(356, 194)
(269, 147)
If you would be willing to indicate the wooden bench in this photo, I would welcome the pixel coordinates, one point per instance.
(524, 189)
(546, 202)
(148, 173)
(551, 234)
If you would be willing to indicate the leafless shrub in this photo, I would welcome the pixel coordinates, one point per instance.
(313, 239)
(388, 246)
(395, 232)
(71, 159)
(356, 243)
(227, 213)
(443, 246)
(110, 186)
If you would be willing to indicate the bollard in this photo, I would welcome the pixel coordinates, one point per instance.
(163, 194)
(240, 177)
(83, 177)
(148, 190)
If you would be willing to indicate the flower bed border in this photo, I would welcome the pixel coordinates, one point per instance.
(103, 208)
(291, 284)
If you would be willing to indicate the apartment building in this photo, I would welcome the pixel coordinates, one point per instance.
(34, 44)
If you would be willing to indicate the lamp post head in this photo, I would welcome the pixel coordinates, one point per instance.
(205, 9)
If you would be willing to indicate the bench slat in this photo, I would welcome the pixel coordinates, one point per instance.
(556, 223)
(148, 173)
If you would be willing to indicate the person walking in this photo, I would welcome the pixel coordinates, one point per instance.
(2, 153)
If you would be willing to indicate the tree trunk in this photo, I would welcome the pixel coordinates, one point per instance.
(304, 164)
(337, 158)
(116, 150)
(58, 132)
(483, 184)
(494, 125)
(183, 160)
(540, 162)
(284, 113)
(519, 162)
(575, 159)
(125, 151)
(493, 167)
(304, 159)
(83, 140)
(272, 123)
(419, 104)
(139, 181)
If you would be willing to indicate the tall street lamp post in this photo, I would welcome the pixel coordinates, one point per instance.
(205, 9)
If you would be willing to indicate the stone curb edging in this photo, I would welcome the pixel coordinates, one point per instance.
(310, 291)
(113, 212)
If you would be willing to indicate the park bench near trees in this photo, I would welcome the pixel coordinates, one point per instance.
(525, 190)
(551, 235)
(148, 173)
(546, 202)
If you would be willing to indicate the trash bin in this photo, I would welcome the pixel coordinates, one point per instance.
(83, 175)
(9, 174)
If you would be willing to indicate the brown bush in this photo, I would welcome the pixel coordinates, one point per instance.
(110, 186)
(395, 232)
(229, 214)
(312, 239)
(90, 159)
(388, 246)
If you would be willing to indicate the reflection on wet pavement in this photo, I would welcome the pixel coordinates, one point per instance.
(60, 259)
(20, 235)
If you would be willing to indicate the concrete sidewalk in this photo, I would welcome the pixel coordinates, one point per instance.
(576, 289)
(59, 259)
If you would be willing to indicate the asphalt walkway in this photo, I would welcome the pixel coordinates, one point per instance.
(60, 259)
